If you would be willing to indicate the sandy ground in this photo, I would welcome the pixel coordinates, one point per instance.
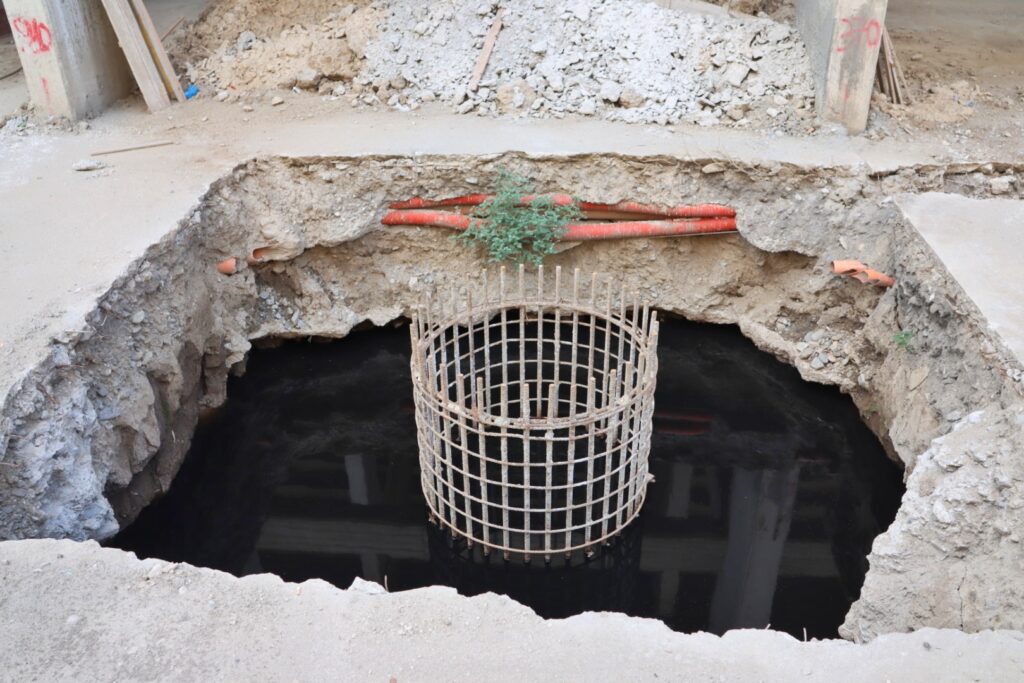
(77, 612)
(961, 54)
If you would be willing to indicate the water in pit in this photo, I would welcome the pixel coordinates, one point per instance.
(768, 490)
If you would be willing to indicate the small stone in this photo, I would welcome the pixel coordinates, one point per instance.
(588, 107)
(610, 92)
(109, 413)
(713, 168)
(138, 317)
(223, 95)
(73, 620)
(245, 41)
(954, 416)
(772, 112)
(555, 81)
(941, 513)
(817, 363)
(308, 79)
(735, 74)
(631, 99)
(278, 100)
(247, 108)
(88, 165)
(1001, 185)
(736, 112)
(339, 90)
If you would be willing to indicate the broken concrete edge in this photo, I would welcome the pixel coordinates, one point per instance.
(79, 611)
(102, 425)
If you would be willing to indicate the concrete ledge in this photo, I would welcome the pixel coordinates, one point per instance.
(978, 242)
(78, 612)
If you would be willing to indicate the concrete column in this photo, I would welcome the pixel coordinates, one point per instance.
(73, 64)
(843, 38)
(760, 510)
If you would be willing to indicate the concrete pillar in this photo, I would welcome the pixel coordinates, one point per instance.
(843, 38)
(760, 510)
(73, 64)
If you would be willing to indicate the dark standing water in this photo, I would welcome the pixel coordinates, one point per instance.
(769, 490)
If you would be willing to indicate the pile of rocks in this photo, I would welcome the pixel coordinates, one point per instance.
(623, 60)
(626, 60)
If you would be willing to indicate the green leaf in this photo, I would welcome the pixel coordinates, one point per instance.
(513, 231)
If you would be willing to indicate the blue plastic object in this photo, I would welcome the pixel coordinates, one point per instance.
(191, 91)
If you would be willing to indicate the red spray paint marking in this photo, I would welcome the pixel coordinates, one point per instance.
(46, 88)
(858, 28)
(38, 34)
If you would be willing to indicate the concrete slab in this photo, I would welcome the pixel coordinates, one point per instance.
(979, 243)
(79, 612)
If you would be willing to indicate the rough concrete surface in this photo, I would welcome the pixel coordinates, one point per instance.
(988, 270)
(74, 611)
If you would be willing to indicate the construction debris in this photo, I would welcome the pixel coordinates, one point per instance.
(625, 60)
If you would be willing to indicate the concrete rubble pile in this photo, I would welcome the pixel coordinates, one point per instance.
(624, 60)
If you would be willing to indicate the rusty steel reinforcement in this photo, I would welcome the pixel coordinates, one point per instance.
(534, 400)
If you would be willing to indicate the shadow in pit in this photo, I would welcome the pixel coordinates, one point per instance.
(768, 494)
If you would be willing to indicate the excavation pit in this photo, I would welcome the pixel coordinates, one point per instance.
(768, 490)
(98, 430)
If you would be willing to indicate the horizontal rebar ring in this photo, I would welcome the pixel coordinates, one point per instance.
(533, 411)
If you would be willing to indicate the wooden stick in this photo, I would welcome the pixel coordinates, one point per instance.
(133, 148)
(485, 53)
(136, 50)
(156, 49)
(900, 77)
(171, 29)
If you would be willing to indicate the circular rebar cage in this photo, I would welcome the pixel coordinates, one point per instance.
(534, 403)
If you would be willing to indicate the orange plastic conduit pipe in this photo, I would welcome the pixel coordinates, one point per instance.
(697, 211)
(575, 232)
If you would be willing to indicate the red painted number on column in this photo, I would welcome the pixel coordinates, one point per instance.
(38, 36)
(858, 29)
